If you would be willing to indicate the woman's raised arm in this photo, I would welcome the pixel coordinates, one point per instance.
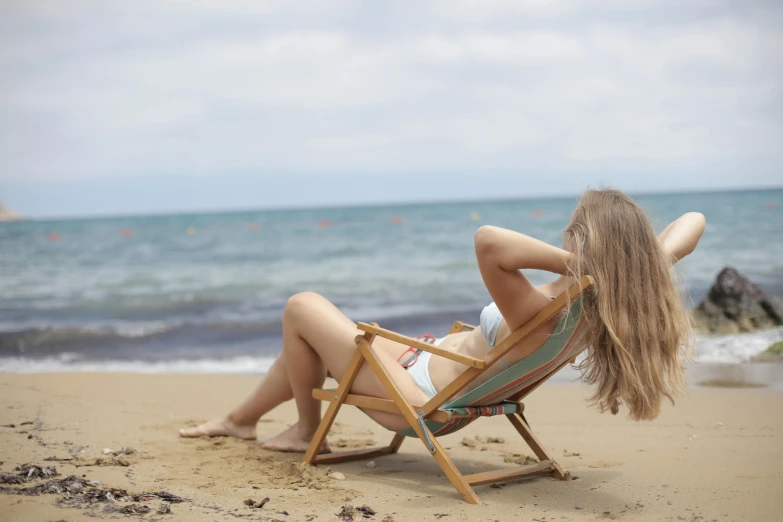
(514, 251)
(682, 235)
(501, 254)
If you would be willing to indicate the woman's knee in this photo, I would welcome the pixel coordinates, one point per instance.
(299, 304)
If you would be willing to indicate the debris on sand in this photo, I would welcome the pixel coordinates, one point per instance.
(519, 458)
(132, 509)
(28, 472)
(114, 461)
(81, 493)
(160, 495)
(59, 459)
(347, 513)
(354, 443)
(567, 453)
(490, 440)
(32, 472)
(256, 505)
(164, 509)
(9, 425)
(470, 443)
(69, 485)
(10, 478)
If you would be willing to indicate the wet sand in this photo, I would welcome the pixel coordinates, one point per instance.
(717, 455)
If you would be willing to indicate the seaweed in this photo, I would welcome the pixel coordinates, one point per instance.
(348, 512)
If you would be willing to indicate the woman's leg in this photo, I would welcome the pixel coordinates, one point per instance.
(310, 316)
(318, 337)
(273, 390)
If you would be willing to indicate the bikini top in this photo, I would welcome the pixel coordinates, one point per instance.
(490, 320)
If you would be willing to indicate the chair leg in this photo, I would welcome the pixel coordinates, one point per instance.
(334, 406)
(397, 442)
(522, 427)
(441, 457)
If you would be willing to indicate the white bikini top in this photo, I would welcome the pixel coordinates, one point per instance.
(490, 321)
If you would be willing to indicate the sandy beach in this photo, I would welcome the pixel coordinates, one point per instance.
(715, 456)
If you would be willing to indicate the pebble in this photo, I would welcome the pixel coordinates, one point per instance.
(337, 476)
(371, 464)
(107, 451)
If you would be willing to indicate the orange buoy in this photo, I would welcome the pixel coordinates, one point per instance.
(770, 205)
(54, 236)
(537, 213)
(126, 232)
(396, 220)
(325, 223)
(253, 226)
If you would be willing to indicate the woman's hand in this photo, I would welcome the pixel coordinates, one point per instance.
(682, 235)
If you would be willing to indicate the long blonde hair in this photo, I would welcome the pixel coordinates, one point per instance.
(638, 330)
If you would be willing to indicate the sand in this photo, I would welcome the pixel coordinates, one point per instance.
(717, 455)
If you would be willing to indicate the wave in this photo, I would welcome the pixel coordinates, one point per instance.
(735, 348)
(66, 363)
(153, 340)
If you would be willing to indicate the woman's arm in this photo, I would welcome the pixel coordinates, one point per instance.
(514, 251)
(501, 254)
(682, 235)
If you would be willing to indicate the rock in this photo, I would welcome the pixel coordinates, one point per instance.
(371, 464)
(337, 476)
(734, 304)
(107, 451)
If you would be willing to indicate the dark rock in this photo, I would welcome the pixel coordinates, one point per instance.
(734, 304)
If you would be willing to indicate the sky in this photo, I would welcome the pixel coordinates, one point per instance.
(114, 107)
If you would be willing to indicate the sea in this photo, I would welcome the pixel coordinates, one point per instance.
(205, 292)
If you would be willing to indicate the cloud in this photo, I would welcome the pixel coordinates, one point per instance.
(109, 89)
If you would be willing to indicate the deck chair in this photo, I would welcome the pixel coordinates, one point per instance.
(500, 395)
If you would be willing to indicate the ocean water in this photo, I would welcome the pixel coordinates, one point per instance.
(205, 292)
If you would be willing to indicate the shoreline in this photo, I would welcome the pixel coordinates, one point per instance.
(755, 374)
(625, 471)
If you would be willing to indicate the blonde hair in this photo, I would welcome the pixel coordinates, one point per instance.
(637, 327)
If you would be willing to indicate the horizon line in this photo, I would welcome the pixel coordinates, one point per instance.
(446, 201)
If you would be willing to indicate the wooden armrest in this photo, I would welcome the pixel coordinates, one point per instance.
(459, 326)
(415, 343)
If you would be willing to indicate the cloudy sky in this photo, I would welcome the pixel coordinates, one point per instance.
(146, 106)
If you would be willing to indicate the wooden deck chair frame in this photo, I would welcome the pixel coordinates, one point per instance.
(416, 414)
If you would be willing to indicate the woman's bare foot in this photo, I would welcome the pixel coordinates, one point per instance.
(292, 441)
(220, 428)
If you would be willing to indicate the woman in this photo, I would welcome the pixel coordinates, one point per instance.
(637, 327)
